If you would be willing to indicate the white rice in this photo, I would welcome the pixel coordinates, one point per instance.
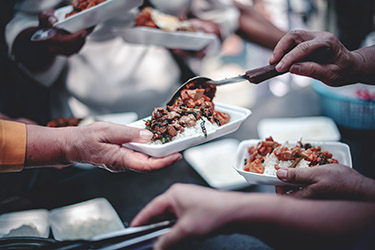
(191, 131)
(271, 160)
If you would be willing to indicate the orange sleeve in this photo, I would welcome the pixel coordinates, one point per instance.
(12, 146)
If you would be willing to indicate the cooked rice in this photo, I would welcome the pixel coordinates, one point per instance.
(191, 131)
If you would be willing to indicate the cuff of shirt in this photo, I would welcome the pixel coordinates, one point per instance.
(12, 146)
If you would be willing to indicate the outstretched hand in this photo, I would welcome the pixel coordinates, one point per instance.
(333, 181)
(192, 206)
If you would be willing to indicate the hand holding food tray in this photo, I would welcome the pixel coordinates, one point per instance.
(263, 170)
(73, 21)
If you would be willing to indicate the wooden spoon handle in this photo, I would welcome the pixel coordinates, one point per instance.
(261, 74)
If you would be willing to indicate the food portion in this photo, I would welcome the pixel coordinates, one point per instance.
(80, 5)
(268, 156)
(192, 112)
(64, 122)
(150, 17)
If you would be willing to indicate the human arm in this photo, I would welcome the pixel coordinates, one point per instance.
(279, 221)
(343, 67)
(39, 56)
(254, 27)
(99, 144)
(333, 181)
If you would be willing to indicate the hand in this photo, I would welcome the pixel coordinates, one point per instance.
(200, 212)
(100, 144)
(63, 43)
(296, 45)
(333, 181)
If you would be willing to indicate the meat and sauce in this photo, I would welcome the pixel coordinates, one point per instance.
(80, 5)
(190, 107)
(273, 155)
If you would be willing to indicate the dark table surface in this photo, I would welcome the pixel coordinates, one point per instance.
(129, 192)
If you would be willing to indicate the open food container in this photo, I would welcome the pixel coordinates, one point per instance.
(238, 115)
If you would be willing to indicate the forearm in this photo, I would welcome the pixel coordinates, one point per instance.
(281, 221)
(366, 64)
(45, 146)
(254, 27)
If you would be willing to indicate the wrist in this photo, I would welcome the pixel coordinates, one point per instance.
(364, 64)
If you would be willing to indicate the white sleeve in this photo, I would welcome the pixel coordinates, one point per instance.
(20, 22)
(221, 12)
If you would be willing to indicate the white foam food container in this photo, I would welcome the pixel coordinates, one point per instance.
(238, 115)
(84, 220)
(25, 223)
(94, 15)
(213, 161)
(313, 128)
(340, 152)
(173, 40)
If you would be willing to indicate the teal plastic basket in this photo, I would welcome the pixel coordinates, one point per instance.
(345, 111)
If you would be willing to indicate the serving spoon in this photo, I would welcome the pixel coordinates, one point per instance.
(255, 76)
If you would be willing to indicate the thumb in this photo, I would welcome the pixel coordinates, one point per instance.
(47, 18)
(119, 134)
(295, 175)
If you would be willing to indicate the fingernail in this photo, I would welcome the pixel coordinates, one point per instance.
(282, 174)
(272, 57)
(52, 19)
(145, 135)
(296, 68)
(179, 157)
(279, 66)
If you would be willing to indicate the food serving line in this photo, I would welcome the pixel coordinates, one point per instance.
(129, 192)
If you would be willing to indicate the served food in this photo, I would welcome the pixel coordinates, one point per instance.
(268, 156)
(192, 112)
(80, 5)
(150, 17)
(64, 122)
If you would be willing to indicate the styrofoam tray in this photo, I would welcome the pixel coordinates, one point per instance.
(25, 223)
(315, 128)
(238, 115)
(173, 40)
(214, 161)
(84, 220)
(340, 152)
(94, 15)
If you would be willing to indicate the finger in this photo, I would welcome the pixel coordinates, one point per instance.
(157, 207)
(47, 18)
(314, 70)
(301, 193)
(143, 163)
(281, 189)
(282, 47)
(299, 52)
(172, 238)
(296, 175)
(120, 134)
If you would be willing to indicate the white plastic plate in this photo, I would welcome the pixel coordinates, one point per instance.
(214, 161)
(238, 115)
(173, 40)
(84, 220)
(315, 128)
(36, 222)
(340, 152)
(94, 15)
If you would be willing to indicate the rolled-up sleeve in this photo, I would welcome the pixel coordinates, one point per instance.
(12, 146)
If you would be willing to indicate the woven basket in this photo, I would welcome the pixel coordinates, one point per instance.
(346, 111)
